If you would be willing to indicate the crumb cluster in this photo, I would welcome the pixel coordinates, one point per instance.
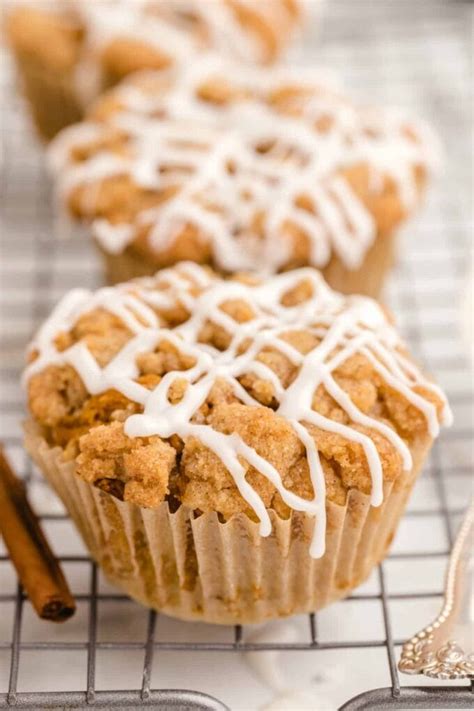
(59, 37)
(141, 166)
(147, 470)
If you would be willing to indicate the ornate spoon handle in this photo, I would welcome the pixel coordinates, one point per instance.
(445, 648)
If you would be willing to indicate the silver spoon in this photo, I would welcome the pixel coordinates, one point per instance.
(445, 648)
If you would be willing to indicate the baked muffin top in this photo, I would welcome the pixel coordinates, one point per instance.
(108, 39)
(230, 395)
(245, 169)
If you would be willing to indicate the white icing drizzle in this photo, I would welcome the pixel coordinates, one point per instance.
(212, 155)
(344, 327)
(177, 29)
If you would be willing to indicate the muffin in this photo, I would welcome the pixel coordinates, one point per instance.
(262, 170)
(232, 450)
(68, 51)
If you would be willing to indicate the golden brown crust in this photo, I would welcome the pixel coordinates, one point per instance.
(133, 470)
(57, 56)
(120, 200)
(54, 38)
(122, 57)
(51, 39)
(144, 470)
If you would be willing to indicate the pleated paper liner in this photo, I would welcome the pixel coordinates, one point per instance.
(52, 96)
(196, 567)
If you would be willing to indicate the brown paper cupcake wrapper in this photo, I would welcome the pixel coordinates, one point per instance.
(122, 267)
(51, 95)
(198, 568)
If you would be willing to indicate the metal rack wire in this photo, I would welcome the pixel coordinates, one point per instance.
(35, 269)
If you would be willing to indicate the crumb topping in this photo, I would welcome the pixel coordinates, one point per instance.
(241, 169)
(230, 395)
(117, 38)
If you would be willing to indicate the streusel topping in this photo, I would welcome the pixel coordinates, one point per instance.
(244, 169)
(230, 395)
(108, 39)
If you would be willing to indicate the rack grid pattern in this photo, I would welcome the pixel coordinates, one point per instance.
(425, 293)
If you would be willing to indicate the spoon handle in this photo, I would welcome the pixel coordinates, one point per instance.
(444, 649)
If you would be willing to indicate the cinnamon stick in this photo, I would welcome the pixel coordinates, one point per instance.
(37, 567)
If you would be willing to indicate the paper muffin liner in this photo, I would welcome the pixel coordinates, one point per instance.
(368, 279)
(196, 567)
(126, 265)
(52, 96)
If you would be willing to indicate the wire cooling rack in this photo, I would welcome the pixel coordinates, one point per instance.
(414, 54)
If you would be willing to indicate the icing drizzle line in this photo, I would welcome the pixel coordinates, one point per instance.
(178, 29)
(345, 326)
(227, 179)
(181, 27)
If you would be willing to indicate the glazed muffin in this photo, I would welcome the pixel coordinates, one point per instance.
(244, 170)
(231, 450)
(68, 51)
